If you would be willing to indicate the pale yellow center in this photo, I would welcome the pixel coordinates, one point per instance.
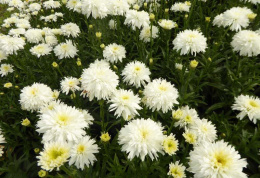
(63, 120)
(125, 97)
(137, 68)
(163, 88)
(254, 104)
(81, 149)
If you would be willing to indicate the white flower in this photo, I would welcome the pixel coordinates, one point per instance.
(54, 155)
(6, 69)
(73, 5)
(140, 138)
(112, 24)
(22, 23)
(185, 116)
(167, 24)
(51, 4)
(137, 19)
(2, 139)
(216, 160)
(10, 45)
(118, 7)
(145, 34)
(96, 8)
(125, 103)
(17, 32)
(247, 43)
(34, 7)
(65, 50)
(70, 29)
(176, 170)
(219, 20)
(41, 50)
(114, 53)
(99, 81)
(33, 97)
(170, 144)
(180, 7)
(51, 40)
(34, 35)
(62, 123)
(247, 105)
(82, 153)
(3, 55)
(69, 84)
(178, 66)
(136, 73)
(190, 41)
(204, 130)
(160, 95)
(236, 18)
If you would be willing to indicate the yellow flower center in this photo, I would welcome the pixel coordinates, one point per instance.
(81, 149)
(188, 119)
(137, 68)
(54, 154)
(221, 160)
(63, 120)
(163, 88)
(253, 104)
(125, 97)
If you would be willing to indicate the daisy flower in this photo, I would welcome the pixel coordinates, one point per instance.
(170, 144)
(33, 97)
(137, 19)
(146, 32)
(70, 29)
(65, 50)
(41, 50)
(82, 153)
(167, 24)
(69, 84)
(190, 41)
(247, 105)
(160, 95)
(247, 43)
(176, 170)
(62, 123)
(140, 138)
(114, 53)
(54, 155)
(125, 104)
(136, 73)
(216, 160)
(5, 69)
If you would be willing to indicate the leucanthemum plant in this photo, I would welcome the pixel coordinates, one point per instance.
(129, 88)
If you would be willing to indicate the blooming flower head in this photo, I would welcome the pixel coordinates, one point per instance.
(69, 84)
(125, 104)
(10, 45)
(34, 35)
(140, 138)
(51, 4)
(118, 7)
(6, 69)
(185, 116)
(236, 18)
(180, 7)
(70, 29)
(41, 50)
(114, 53)
(146, 32)
(62, 123)
(247, 105)
(170, 144)
(160, 95)
(82, 153)
(33, 97)
(216, 160)
(99, 81)
(3, 55)
(190, 41)
(96, 8)
(176, 170)
(54, 155)
(137, 19)
(204, 129)
(247, 43)
(136, 73)
(190, 136)
(167, 24)
(65, 50)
